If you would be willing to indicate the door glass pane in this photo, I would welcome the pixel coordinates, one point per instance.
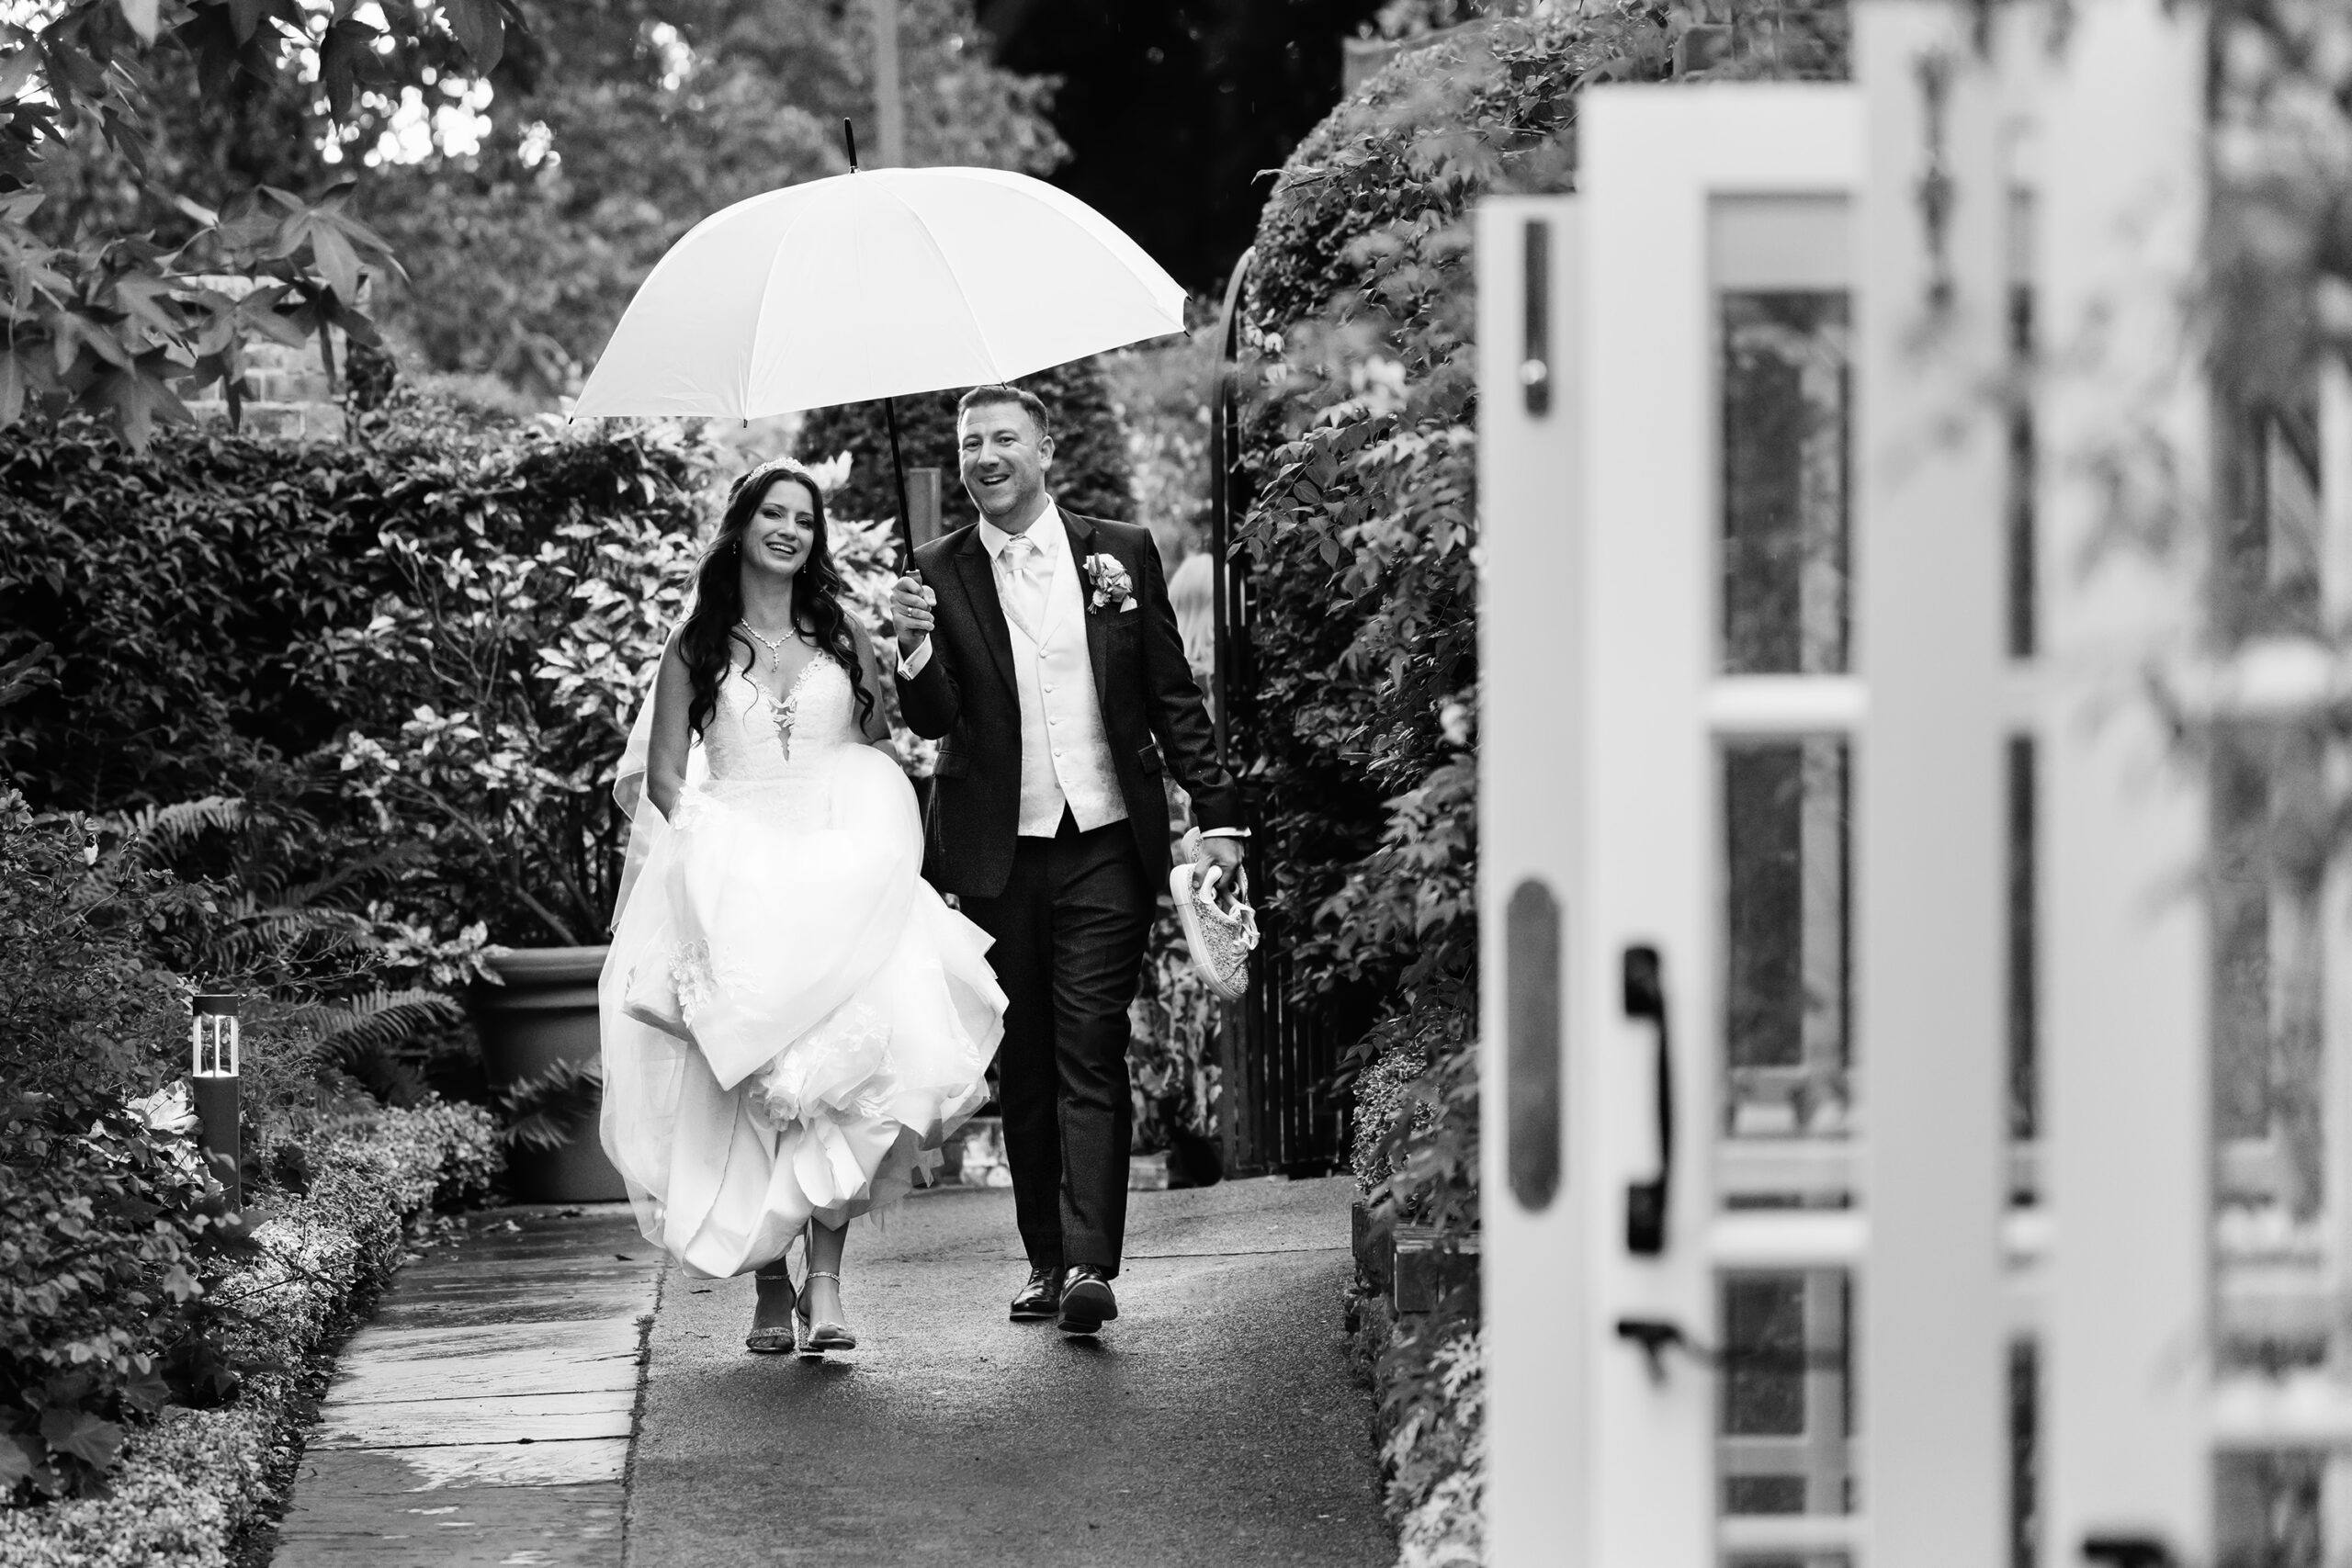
(2268, 1510)
(1788, 890)
(1785, 421)
(2268, 582)
(2271, 805)
(1786, 1423)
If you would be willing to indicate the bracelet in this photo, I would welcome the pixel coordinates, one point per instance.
(1225, 833)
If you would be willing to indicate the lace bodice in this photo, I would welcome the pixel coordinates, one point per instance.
(753, 736)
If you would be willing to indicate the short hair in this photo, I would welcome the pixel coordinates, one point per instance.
(1004, 392)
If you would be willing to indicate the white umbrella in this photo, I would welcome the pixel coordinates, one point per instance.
(875, 285)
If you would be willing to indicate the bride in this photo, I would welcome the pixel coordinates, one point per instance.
(792, 1018)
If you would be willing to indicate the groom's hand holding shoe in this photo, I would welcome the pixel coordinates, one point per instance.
(1223, 853)
(911, 604)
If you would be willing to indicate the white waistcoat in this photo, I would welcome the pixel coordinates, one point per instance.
(1064, 755)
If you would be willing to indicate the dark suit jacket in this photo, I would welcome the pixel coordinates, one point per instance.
(965, 699)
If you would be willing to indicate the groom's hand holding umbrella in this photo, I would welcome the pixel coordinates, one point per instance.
(911, 606)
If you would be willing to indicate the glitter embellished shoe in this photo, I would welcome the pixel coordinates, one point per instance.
(1221, 939)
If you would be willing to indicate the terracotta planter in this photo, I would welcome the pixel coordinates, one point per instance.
(546, 1012)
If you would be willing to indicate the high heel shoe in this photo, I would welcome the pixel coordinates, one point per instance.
(781, 1340)
(821, 1337)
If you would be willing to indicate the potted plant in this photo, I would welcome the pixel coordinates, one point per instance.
(494, 685)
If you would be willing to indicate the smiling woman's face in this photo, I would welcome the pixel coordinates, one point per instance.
(781, 531)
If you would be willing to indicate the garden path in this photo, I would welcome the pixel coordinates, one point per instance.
(1215, 1423)
(492, 1411)
(484, 1415)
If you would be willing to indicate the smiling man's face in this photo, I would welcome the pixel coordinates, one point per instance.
(1003, 459)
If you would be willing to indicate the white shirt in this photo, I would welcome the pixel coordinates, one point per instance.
(1065, 753)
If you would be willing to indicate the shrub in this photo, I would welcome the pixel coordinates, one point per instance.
(105, 1225)
(1090, 473)
(123, 1282)
(218, 613)
(1362, 539)
(194, 1482)
(183, 590)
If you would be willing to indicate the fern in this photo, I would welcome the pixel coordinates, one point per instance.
(380, 1020)
(543, 1111)
(392, 858)
(272, 942)
(365, 1037)
(154, 833)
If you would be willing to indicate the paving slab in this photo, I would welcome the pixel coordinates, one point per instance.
(483, 1417)
(1215, 1423)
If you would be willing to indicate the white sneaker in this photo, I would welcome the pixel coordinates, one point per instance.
(1220, 939)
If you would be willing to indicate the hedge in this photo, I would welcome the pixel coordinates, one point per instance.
(1363, 731)
(182, 589)
(195, 1483)
(214, 615)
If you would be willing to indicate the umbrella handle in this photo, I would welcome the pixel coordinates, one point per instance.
(898, 475)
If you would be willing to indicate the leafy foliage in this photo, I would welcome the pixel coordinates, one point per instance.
(612, 134)
(545, 1110)
(105, 1229)
(119, 319)
(192, 1483)
(1362, 536)
(1090, 473)
(113, 1233)
(229, 617)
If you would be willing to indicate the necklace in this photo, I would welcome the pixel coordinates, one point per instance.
(774, 645)
(786, 712)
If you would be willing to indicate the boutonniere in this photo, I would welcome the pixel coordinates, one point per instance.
(1112, 584)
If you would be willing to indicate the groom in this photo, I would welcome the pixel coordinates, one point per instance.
(1039, 648)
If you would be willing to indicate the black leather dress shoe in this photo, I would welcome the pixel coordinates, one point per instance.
(1040, 1298)
(1087, 1300)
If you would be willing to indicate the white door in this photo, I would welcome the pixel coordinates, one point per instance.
(1824, 810)
(1743, 831)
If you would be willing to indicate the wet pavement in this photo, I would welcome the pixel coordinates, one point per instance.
(492, 1413)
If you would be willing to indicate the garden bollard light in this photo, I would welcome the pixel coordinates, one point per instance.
(213, 1085)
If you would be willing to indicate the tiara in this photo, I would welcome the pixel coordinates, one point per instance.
(793, 466)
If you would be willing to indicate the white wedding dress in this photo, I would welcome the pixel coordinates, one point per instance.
(792, 1016)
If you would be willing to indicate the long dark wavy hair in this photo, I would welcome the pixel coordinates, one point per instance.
(712, 633)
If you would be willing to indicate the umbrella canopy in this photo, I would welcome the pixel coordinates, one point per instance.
(877, 285)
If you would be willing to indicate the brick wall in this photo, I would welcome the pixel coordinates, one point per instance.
(290, 396)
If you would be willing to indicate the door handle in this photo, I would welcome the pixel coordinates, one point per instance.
(1646, 1202)
(2129, 1550)
(1536, 339)
(1531, 1036)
